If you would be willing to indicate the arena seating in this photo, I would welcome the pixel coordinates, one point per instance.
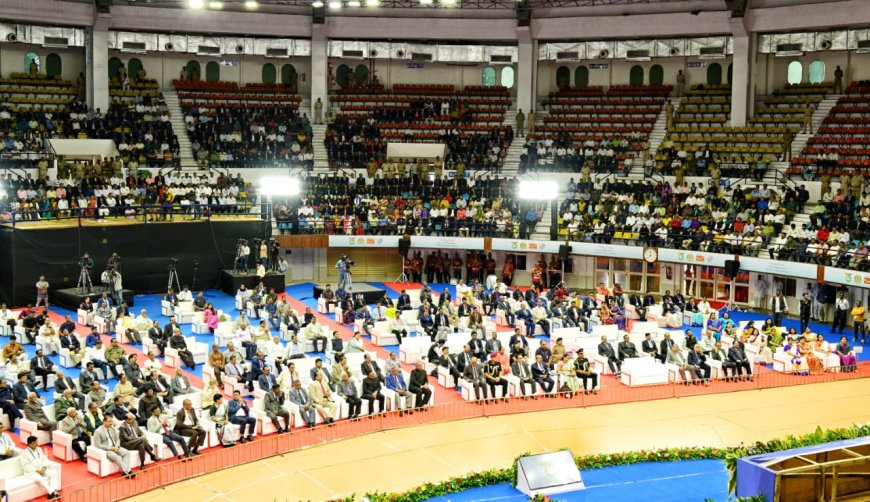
(256, 125)
(469, 121)
(334, 204)
(588, 125)
(843, 140)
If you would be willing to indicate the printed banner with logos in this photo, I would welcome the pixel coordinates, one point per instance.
(783, 268)
(433, 242)
(847, 277)
(694, 257)
(607, 250)
(364, 241)
(525, 246)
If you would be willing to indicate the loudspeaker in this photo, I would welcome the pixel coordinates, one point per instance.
(564, 251)
(404, 247)
(318, 15)
(731, 268)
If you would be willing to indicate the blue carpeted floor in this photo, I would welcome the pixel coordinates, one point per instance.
(690, 481)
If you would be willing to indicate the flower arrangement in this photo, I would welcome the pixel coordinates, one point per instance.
(730, 455)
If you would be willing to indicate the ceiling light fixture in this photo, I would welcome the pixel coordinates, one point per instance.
(195, 4)
(448, 3)
(215, 4)
(353, 3)
(373, 3)
(251, 4)
(334, 4)
(425, 2)
(317, 4)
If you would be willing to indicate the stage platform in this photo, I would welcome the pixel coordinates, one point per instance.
(230, 281)
(371, 293)
(71, 298)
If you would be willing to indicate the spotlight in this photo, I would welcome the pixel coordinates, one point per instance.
(317, 4)
(334, 4)
(425, 2)
(195, 4)
(373, 3)
(281, 187)
(215, 4)
(448, 3)
(353, 3)
(538, 190)
(251, 4)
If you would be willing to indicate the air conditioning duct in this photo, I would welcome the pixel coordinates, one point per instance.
(786, 50)
(568, 56)
(712, 52)
(208, 50)
(637, 55)
(353, 54)
(134, 48)
(421, 56)
(863, 47)
(56, 42)
(277, 53)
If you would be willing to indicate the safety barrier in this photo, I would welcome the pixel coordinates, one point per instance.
(215, 459)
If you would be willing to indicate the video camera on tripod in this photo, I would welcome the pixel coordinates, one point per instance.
(173, 264)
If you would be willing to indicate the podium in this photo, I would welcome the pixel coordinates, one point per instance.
(548, 474)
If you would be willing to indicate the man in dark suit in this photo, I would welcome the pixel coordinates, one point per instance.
(434, 354)
(42, 366)
(665, 347)
(493, 345)
(541, 375)
(721, 355)
(267, 380)
(477, 347)
(463, 359)
(474, 373)
(87, 376)
(699, 360)
(606, 350)
(448, 362)
(737, 356)
(521, 370)
(626, 348)
(63, 383)
(575, 314)
(21, 389)
(525, 315)
(518, 337)
(509, 316)
(371, 392)
(161, 387)
(649, 347)
(404, 301)
(155, 333)
(464, 309)
(187, 424)
(133, 439)
(442, 324)
(133, 372)
(369, 366)
(418, 385)
(637, 302)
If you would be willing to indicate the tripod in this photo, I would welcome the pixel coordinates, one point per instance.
(85, 285)
(192, 282)
(173, 279)
(403, 277)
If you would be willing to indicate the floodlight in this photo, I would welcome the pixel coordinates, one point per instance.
(448, 3)
(373, 3)
(538, 190)
(280, 187)
(354, 3)
(195, 4)
(251, 4)
(317, 4)
(425, 2)
(334, 4)
(215, 4)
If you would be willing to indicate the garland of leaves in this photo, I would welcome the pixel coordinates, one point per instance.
(729, 455)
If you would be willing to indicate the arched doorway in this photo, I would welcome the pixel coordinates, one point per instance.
(53, 65)
(31, 57)
(194, 72)
(361, 75)
(563, 77)
(714, 74)
(114, 64)
(507, 77)
(795, 72)
(342, 75)
(816, 72)
(212, 72)
(289, 77)
(581, 76)
(656, 75)
(487, 77)
(635, 75)
(269, 73)
(133, 67)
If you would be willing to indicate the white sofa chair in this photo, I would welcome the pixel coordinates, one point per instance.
(61, 446)
(99, 463)
(18, 487)
(27, 428)
(638, 371)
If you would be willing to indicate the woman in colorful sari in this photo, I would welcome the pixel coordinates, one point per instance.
(211, 317)
(604, 314)
(570, 382)
(825, 352)
(814, 364)
(714, 325)
(848, 361)
(618, 317)
(348, 315)
(798, 363)
(727, 322)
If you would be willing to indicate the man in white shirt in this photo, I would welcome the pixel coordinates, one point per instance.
(35, 464)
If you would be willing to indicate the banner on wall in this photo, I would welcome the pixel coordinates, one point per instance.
(847, 277)
(694, 257)
(607, 250)
(364, 241)
(784, 268)
(525, 246)
(433, 242)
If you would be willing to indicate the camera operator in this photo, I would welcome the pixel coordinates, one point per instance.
(86, 263)
(343, 265)
(117, 288)
(243, 254)
(264, 251)
(274, 250)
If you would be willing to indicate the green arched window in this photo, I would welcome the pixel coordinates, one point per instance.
(289, 76)
(31, 57)
(635, 75)
(656, 75)
(795, 72)
(114, 64)
(714, 74)
(507, 77)
(342, 75)
(361, 75)
(488, 76)
(133, 67)
(212, 72)
(194, 72)
(563, 77)
(816, 72)
(53, 65)
(270, 74)
(730, 72)
(581, 76)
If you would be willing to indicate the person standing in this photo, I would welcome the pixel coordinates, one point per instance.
(318, 112)
(838, 80)
(681, 83)
(778, 307)
(806, 305)
(841, 309)
(858, 322)
(531, 120)
(41, 291)
(521, 122)
(760, 292)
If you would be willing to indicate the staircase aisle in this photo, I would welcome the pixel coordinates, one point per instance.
(176, 118)
(660, 128)
(822, 111)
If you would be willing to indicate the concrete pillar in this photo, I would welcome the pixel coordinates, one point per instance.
(97, 64)
(742, 75)
(319, 71)
(527, 69)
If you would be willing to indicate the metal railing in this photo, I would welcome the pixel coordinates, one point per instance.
(143, 214)
(214, 459)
